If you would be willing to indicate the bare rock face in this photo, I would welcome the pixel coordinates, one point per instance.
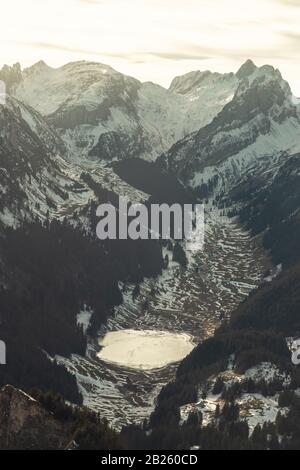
(261, 120)
(85, 100)
(12, 76)
(25, 424)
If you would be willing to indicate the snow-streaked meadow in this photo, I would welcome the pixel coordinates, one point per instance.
(180, 303)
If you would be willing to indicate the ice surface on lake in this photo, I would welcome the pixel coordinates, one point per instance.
(144, 349)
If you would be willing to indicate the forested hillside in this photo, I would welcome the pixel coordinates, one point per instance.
(49, 272)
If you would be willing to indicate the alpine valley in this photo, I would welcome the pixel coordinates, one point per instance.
(149, 344)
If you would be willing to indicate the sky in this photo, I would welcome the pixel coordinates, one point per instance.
(154, 40)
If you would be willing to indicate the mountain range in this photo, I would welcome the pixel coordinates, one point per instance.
(83, 133)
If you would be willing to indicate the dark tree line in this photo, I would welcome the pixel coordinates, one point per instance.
(48, 273)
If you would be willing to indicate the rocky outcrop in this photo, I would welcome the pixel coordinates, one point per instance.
(12, 76)
(25, 424)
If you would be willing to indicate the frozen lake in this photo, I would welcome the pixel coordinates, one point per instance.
(144, 350)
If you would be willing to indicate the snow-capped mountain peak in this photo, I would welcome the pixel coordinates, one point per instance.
(260, 122)
(36, 68)
(95, 107)
(246, 69)
(193, 83)
(102, 114)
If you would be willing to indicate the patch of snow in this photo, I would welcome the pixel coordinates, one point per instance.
(257, 409)
(275, 273)
(84, 318)
(254, 407)
(268, 372)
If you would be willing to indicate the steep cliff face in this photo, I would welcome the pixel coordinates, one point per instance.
(35, 179)
(47, 423)
(12, 76)
(25, 424)
(260, 121)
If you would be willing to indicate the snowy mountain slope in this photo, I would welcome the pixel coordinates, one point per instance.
(260, 123)
(255, 409)
(244, 118)
(110, 115)
(205, 95)
(35, 179)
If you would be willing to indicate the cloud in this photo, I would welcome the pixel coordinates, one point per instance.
(154, 39)
(293, 3)
(194, 51)
(181, 52)
(293, 36)
(95, 2)
(169, 55)
(134, 56)
(78, 50)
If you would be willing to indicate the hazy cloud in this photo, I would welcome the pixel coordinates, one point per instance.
(293, 3)
(293, 36)
(137, 57)
(99, 2)
(77, 50)
(185, 55)
(154, 39)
